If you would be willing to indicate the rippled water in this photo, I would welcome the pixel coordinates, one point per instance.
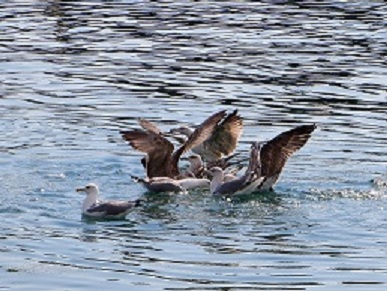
(73, 74)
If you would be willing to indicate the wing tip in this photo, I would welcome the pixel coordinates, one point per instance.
(139, 202)
(305, 129)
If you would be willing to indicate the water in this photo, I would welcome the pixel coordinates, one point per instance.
(74, 74)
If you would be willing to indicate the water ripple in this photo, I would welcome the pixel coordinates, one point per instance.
(74, 74)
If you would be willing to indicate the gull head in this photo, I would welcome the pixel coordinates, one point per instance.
(215, 172)
(183, 130)
(256, 146)
(255, 150)
(89, 189)
(195, 159)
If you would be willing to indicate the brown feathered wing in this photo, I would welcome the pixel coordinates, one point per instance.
(161, 161)
(201, 133)
(276, 152)
(157, 148)
(225, 138)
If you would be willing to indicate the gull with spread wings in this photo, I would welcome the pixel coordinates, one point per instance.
(266, 163)
(161, 160)
(245, 184)
(222, 142)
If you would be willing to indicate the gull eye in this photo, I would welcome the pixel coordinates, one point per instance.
(87, 187)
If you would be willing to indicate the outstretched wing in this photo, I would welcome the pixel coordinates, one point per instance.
(276, 152)
(201, 133)
(149, 126)
(225, 138)
(157, 148)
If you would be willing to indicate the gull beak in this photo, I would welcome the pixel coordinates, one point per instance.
(174, 132)
(80, 189)
(169, 133)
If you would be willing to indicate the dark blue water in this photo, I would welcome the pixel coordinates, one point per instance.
(73, 74)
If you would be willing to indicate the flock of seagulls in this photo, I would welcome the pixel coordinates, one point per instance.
(211, 164)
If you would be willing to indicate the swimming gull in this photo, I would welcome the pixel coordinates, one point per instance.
(273, 156)
(92, 207)
(245, 184)
(222, 142)
(166, 184)
(198, 169)
(161, 160)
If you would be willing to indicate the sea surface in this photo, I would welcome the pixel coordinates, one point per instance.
(75, 73)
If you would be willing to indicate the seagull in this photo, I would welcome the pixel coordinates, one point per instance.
(197, 168)
(222, 142)
(92, 207)
(271, 158)
(161, 160)
(276, 152)
(159, 184)
(166, 184)
(245, 184)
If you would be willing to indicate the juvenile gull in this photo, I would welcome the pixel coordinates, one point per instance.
(198, 169)
(161, 160)
(276, 152)
(245, 184)
(92, 207)
(166, 184)
(271, 159)
(222, 142)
